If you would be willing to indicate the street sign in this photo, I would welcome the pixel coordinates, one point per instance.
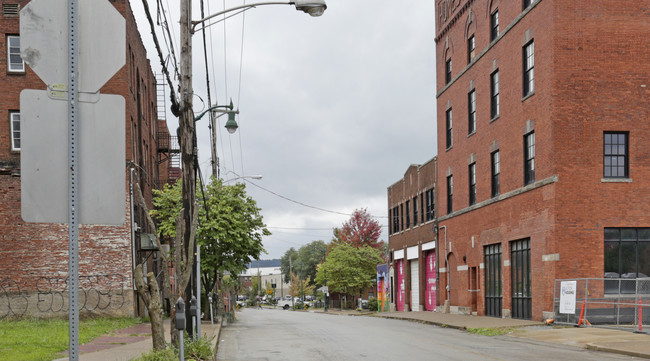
(44, 159)
(44, 42)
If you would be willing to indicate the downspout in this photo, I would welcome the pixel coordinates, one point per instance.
(132, 233)
(446, 261)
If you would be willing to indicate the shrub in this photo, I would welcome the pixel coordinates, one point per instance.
(372, 304)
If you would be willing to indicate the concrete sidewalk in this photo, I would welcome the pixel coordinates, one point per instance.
(130, 343)
(595, 338)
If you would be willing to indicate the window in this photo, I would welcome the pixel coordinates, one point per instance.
(430, 206)
(494, 25)
(448, 71)
(527, 3)
(471, 48)
(494, 94)
(395, 219)
(408, 214)
(449, 128)
(472, 184)
(415, 211)
(529, 158)
(627, 255)
(496, 172)
(471, 110)
(14, 118)
(529, 68)
(401, 217)
(615, 155)
(450, 194)
(424, 208)
(14, 61)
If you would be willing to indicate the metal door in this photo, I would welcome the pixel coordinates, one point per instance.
(493, 289)
(415, 285)
(430, 293)
(520, 268)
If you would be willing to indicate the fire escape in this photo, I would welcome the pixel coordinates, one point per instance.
(169, 154)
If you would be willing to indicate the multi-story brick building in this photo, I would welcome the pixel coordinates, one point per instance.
(411, 239)
(543, 150)
(34, 256)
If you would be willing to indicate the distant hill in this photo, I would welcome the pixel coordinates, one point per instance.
(265, 263)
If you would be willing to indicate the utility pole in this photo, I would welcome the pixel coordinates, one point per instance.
(187, 137)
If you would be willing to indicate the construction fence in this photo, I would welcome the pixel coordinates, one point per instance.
(617, 302)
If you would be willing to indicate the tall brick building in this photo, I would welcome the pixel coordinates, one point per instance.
(34, 256)
(543, 149)
(411, 239)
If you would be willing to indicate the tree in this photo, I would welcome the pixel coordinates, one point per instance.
(230, 231)
(360, 230)
(287, 264)
(299, 288)
(350, 270)
(310, 256)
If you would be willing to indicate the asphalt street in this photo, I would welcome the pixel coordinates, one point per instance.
(287, 335)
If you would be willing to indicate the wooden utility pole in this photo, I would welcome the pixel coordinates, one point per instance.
(187, 139)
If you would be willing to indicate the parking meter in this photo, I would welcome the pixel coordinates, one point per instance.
(194, 311)
(180, 314)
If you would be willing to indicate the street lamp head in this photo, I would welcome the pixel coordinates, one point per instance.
(231, 124)
(311, 7)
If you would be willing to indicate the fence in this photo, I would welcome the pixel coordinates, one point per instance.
(617, 302)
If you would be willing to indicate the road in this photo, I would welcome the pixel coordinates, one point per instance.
(270, 335)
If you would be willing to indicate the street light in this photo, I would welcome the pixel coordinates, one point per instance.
(311, 7)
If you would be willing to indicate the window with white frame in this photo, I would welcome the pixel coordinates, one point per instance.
(14, 62)
(14, 119)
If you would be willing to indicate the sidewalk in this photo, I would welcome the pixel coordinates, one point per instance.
(594, 338)
(130, 343)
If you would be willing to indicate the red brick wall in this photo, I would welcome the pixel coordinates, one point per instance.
(590, 77)
(416, 180)
(34, 257)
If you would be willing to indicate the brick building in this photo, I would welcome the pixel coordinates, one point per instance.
(34, 256)
(543, 152)
(411, 239)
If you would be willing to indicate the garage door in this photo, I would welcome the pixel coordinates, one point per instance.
(415, 286)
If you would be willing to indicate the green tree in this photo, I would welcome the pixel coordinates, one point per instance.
(230, 231)
(299, 288)
(309, 257)
(288, 263)
(350, 270)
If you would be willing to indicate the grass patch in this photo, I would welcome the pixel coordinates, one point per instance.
(490, 331)
(41, 340)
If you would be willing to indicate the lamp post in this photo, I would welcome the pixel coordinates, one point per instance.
(187, 130)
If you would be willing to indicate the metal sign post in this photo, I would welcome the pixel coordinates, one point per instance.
(73, 227)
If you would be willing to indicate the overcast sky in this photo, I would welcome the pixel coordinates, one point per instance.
(333, 109)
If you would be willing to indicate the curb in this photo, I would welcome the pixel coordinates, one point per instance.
(594, 347)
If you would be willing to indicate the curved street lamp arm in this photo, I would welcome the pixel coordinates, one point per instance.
(245, 7)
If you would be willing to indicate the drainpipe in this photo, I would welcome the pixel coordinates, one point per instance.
(132, 223)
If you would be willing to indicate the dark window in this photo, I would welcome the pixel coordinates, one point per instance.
(615, 155)
(472, 184)
(627, 256)
(401, 217)
(493, 282)
(529, 158)
(415, 211)
(529, 68)
(494, 25)
(407, 212)
(471, 48)
(429, 204)
(424, 208)
(449, 125)
(496, 173)
(520, 277)
(450, 194)
(494, 94)
(14, 118)
(527, 3)
(471, 110)
(448, 71)
(396, 219)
